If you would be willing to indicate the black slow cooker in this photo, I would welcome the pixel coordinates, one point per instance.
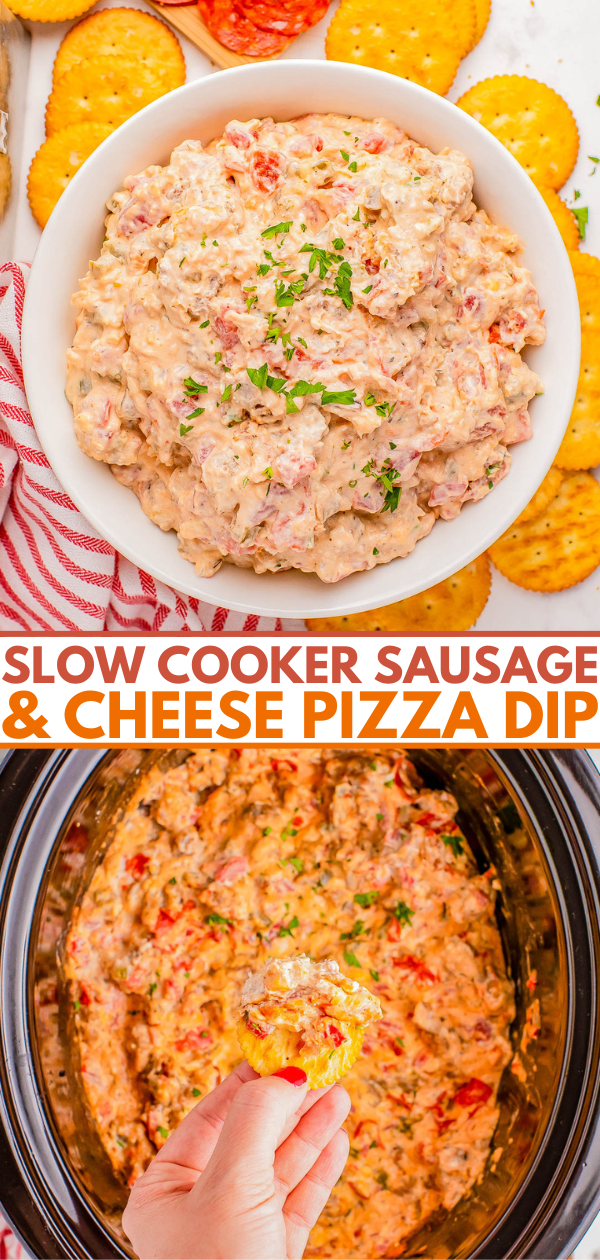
(534, 815)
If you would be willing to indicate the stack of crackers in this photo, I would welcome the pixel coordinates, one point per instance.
(107, 68)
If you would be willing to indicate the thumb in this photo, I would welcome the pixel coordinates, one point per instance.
(261, 1115)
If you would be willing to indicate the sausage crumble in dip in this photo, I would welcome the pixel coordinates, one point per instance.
(301, 344)
(238, 858)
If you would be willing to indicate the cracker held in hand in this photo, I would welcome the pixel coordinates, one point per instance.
(580, 447)
(299, 1013)
(454, 604)
(421, 41)
(531, 120)
(56, 162)
(122, 33)
(106, 90)
(560, 546)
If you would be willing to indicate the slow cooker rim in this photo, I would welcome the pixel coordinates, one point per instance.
(51, 762)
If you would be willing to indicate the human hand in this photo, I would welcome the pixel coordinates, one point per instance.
(244, 1176)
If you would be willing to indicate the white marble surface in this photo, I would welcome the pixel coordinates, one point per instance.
(554, 40)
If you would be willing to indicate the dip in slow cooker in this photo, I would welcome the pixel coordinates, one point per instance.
(301, 345)
(236, 857)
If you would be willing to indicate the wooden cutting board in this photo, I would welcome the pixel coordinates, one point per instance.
(185, 18)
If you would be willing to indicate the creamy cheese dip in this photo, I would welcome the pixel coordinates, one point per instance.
(300, 345)
(237, 860)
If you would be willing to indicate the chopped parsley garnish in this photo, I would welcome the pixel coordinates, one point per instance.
(289, 930)
(350, 959)
(205, 324)
(376, 553)
(454, 843)
(302, 342)
(196, 1092)
(368, 288)
(258, 376)
(164, 1133)
(345, 445)
(353, 167)
(152, 989)
(192, 388)
(250, 303)
(215, 920)
(185, 256)
(582, 215)
(339, 243)
(403, 913)
(386, 477)
(382, 1178)
(356, 217)
(185, 428)
(374, 974)
(323, 257)
(346, 156)
(267, 831)
(226, 395)
(341, 285)
(340, 397)
(218, 357)
(199, 411)
(382, 409)
(267, 472)
(263, 269)
(296, 862)
(277, 229)
(365, 899)
(287, 297)
(357, 930)
(77, 1005)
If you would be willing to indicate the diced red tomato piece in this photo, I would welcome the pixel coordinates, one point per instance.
(336, 1036)
(494, 333)
(84, 996)
(276, 764)
(164, 921)
(254, 1028)
(137, 864)
(473, 1091)
(409, 963)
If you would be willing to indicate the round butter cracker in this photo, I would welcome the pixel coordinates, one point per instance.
(561, 546)
(48, 10)
(454, 604)
(563, 217)
(121, 33)
(107, 90)
(417, 41)
(531, 120)
(56, 162)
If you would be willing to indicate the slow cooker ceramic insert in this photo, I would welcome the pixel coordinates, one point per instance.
(534, 815)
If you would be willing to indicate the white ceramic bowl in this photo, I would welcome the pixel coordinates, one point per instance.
(200, 110)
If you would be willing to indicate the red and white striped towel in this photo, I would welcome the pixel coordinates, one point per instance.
(56, 573)
(10, 1247)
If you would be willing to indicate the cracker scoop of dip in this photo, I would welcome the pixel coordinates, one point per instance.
(300, 345)
(300, 1013)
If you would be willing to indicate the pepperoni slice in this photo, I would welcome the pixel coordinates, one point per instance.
(288, 17)
(234, 31)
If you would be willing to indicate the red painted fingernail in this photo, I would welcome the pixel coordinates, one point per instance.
(295, 1075)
